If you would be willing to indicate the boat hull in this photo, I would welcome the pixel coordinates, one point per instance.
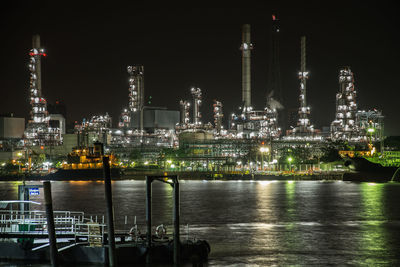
(366, 171)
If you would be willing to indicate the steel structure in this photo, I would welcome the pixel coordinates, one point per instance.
(252, 123)
(303, 124)
(218, 115)
(184, 112)
(136, 87)
(196, 124)
(95, 129)
(304, 129)
(371, 125)
(196, 94)
(38, 131)
(344, 127)
(125, 119)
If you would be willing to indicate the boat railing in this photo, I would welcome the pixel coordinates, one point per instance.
(65, 222)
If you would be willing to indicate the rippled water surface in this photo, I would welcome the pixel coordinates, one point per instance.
(258, 223)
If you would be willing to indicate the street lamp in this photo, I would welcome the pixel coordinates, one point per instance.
(371, 131)
(290, 159)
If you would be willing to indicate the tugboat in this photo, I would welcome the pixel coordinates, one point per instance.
(86, 163)
(373, 168)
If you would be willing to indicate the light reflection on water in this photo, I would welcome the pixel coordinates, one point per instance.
(259, 223)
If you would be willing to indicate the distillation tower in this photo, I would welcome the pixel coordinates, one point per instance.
(304, 129)
(196, 95)
(344, 126)
(184, 112)
(185, 105)
(38, 131)
(218, 115)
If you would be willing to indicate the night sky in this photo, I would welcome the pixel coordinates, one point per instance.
(90, 46)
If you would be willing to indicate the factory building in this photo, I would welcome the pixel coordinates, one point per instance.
(11, 127)
(350, 124)
(11, 134)
(156, 118)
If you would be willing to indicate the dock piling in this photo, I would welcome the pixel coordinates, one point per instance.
(50, 223)
(110, 214)
(149, 180)
(176, 213)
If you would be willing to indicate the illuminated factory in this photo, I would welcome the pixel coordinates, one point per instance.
(150, 130)
(38, 131)
(304, 130)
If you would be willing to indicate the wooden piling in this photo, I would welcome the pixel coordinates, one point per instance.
(50, 223)
(176, 213)
(149, 180)
(110, 214)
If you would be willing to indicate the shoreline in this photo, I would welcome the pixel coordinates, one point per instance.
(193, 176)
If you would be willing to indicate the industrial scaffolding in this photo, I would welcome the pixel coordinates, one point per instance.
(196, 124)
(251, 124)
(38, 131)
(304, 129)
(218, 115)
(97, 128)
(136, 97)
(344, 127)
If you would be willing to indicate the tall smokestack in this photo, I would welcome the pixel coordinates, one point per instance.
(36, 46)
(303, 71)
(246, 48)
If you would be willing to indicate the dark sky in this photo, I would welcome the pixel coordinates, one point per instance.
(90, 46)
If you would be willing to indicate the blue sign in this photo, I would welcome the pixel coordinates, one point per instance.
(34, 191)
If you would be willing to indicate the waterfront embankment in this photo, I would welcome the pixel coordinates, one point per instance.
(194, 175)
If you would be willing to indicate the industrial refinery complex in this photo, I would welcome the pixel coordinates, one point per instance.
(247, 139)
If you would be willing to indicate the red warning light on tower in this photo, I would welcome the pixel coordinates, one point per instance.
(273, 17)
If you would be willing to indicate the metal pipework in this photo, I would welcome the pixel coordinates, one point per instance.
(196, 93)
(246, 48)
(136, 87)
(184, 114)
(218, 114)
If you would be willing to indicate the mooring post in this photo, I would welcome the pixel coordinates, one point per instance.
(149, 180)
(177, 243)
(50, 223)
(110, 214)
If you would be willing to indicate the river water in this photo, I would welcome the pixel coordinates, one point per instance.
(258, 223)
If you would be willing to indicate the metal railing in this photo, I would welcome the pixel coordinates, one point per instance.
(66, 222)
